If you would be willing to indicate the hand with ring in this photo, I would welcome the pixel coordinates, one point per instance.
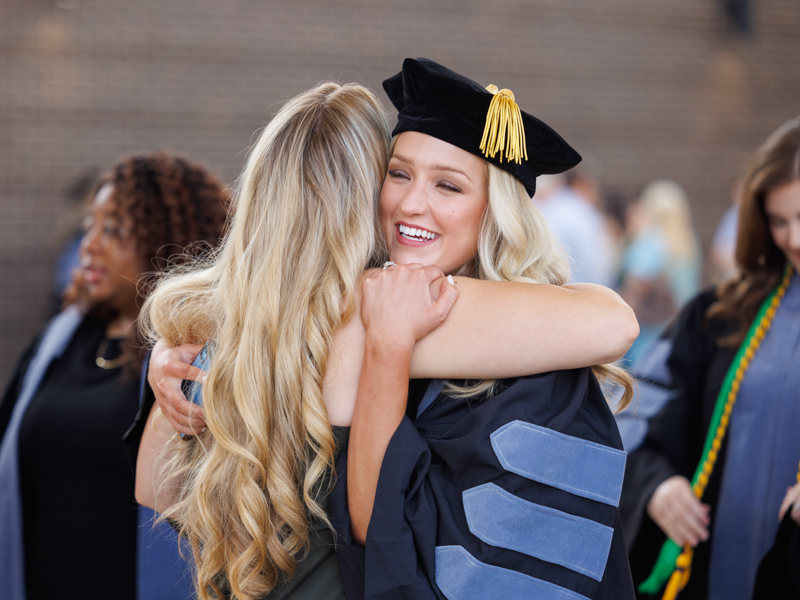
(400, 306)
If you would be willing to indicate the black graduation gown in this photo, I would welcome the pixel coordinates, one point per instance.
(778, 576)
(673, 446)
(510, 497)
(675, 439)
(68, 437)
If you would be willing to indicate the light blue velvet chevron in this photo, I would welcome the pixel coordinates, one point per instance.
(501, 519)
(562, 461)
(460, 576)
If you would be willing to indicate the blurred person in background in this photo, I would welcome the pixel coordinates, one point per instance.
(723, 244)
(615, 205)
(661, 265)
(67, 511)
(570, 204)
(718, 467)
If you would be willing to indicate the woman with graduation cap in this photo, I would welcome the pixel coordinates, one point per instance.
(471, 219)
(473, 489)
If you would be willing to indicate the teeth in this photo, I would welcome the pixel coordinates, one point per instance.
(416, 232)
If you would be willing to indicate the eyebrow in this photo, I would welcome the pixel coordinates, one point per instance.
(433, 167)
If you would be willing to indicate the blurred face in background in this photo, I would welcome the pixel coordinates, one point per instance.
(783, 217)
(636, 218)
(110, 261)
(432, 202)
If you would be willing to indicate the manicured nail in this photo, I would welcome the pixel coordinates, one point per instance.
(203, 379)
(450, 279)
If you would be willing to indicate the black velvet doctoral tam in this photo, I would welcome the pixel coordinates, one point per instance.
(436, 101)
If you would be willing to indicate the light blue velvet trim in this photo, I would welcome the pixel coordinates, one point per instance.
(460, 576)
(654, 390)
(502, 519)
(194, 389)
(203, 362)
(565, 462)
(432, 392)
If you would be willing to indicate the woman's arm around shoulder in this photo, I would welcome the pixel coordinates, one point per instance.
(509, 329)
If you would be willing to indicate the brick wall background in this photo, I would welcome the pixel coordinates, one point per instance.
(654, 88)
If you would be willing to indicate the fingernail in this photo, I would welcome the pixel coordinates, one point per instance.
(450, 279)
(203, 379)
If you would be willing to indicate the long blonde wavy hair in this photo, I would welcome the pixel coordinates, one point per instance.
(303, 230)
(516, 244)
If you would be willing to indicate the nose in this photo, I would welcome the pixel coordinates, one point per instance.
(91, 240)
(794, 234)
(414, 201)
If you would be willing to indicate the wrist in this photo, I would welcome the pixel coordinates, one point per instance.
(385, 346)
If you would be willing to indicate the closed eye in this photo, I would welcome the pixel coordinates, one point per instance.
(398, 174)
(449, 186)
(776, 221)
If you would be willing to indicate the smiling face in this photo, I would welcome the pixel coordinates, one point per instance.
(109, 256)
(432, 202)
(782, 206)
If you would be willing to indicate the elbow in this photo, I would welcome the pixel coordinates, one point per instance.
(143, 491)
(621, 330)
(144, 495)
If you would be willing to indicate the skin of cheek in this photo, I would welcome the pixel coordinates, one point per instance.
(111, 265)
(783, 207)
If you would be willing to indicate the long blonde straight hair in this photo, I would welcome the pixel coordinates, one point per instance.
(516, 244)
(303, 231)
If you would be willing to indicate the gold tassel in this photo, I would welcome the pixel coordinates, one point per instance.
(504, 131)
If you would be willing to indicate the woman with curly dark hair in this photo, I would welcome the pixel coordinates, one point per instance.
(64, 479)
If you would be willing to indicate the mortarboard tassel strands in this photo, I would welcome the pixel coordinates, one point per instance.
(504, 130)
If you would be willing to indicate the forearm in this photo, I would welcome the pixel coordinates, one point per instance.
(149, 490)
(380, 407)
(509, 329)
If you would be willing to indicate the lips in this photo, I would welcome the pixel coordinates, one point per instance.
(93, 274)
(413, 235)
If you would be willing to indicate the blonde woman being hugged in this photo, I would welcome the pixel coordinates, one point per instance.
(277, 312)
(498, 486)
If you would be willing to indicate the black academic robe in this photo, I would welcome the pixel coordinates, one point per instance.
(675, 438)
(674, 444)
(778, 576)
(509, 497)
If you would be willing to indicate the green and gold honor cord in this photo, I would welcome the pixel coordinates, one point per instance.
(673, 566)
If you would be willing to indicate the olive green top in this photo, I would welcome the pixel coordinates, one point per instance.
(317, 576)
